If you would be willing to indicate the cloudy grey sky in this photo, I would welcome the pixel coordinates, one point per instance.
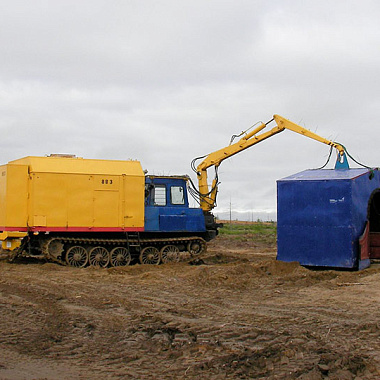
(165, 81)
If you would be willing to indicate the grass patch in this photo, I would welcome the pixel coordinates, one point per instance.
(256, 231)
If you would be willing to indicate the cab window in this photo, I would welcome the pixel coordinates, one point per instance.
(177, 195)
(160, 195)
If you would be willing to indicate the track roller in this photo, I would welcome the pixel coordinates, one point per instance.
(169, 254)
(99, 257)
(77, 256)
(196, 247)
(120, 256)
(150, 255)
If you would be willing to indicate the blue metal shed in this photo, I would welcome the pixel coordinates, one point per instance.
(321, 214)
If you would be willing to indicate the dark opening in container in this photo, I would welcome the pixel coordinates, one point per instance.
(373, 240)
(374, 211)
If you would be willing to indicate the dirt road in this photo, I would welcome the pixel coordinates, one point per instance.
(240, 315)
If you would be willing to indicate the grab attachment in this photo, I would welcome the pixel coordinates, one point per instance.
(341, 161)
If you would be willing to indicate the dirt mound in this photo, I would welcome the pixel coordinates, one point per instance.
(237, 315)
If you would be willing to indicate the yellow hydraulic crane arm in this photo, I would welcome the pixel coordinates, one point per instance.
(208, 196)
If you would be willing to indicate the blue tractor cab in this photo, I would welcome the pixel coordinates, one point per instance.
(167, 208)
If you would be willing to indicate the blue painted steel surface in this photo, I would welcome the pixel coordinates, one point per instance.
(171, 217)
(321, 214)
(174, 219)
(152, 221)
(341, 162)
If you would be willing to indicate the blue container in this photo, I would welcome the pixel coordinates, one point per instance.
(321, 215)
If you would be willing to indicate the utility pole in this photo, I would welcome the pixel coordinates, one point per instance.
(230, 210)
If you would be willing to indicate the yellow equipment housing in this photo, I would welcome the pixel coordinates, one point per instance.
(43, 194)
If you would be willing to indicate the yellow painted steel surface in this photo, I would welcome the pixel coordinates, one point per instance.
(47, 193)
(13, 195)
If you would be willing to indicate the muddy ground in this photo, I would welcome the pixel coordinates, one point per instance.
(240, 315)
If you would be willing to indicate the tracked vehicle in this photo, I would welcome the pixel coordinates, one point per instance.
(99, 212)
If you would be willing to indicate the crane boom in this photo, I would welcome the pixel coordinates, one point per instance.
(208, 197)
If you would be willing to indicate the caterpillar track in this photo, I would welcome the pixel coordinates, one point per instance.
(110, 252)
